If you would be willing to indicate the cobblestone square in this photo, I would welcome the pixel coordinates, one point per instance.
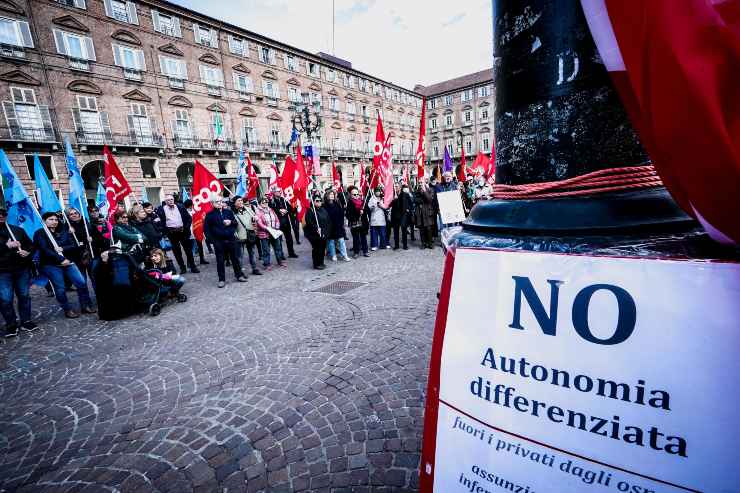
(263, 386)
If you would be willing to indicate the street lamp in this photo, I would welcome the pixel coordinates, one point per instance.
(307, 121)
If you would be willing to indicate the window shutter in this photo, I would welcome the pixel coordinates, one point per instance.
(183, 69)
(80, 4)
(276, 91)
(176, 27)
(162, 66)
(26, 38)
(221, 78)
(105, 123)
(236, 81)
(272, 56)
(202, 73)
(213, 40)
(155, 21)
(141, 62)
(196, 32)
(59, 40)
(133, 18)
(46, 120)
(108, 8)
(89, 48)
(10, 116)
(77, 120)
(117, 58)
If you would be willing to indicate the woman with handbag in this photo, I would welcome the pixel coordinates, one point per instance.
(245, 218)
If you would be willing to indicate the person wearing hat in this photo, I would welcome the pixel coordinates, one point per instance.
(283, 210)
(317, 230)
(267, 229)
(219, 227)
(16, 252)
(57, 267)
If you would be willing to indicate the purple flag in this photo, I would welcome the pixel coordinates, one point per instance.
(448, 162)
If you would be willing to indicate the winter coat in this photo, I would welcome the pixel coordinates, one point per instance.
(356, 219)
(402, 210)
(215, 229)
(187, 220)
(318, 224)
(336, 214)
(149, 231)
(278, 203)
(128, 235)
(47, 254)
(244, 222)
(377, 211)
(10, 260)
(425, 211)
(266, 218)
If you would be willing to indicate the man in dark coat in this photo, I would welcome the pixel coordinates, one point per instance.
(425, 211)
(402, 209)
(16, 252)
(219, 227)
(317, 230)
(285, 213)
(175, 222)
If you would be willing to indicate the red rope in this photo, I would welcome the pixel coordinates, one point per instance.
(601, 181)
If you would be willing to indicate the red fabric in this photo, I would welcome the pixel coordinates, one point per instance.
(462, 171)
(204, 186)
(480, 165)
(375, 174)
(116, 186)
(385, 174)
(336, 179)
(363, 181)
(405, 175)
(300, 186)
(253, 183)
(681, 90)
(287, 178)
(421, 148)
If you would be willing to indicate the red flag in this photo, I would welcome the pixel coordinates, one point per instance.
(253, 182)
(377, 152)
(363, 179)
(405, 175)
(204, 186)
(287, 178)
(492, 167)
(676, 70)
(421, 151)
(462, 169)
(116, 186)
(300, 185)
(336, 179)
(273, 176)
(386, 172)
(480, 165)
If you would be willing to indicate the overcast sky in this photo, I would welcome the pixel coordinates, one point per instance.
(401, 41)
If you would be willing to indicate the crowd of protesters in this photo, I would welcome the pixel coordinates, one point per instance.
(72, 253)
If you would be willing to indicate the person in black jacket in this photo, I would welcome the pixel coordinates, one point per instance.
(358, 221)
(16, 252)
(56, 264)
(220, 229)
(402, 210)
(285, 213)
(143, 223)
(317, 230)
(175, 222)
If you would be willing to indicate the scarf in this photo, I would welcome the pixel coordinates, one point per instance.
(358, 203)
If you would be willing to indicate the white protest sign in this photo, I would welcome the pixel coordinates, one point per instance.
(563, 373)
(450, 207)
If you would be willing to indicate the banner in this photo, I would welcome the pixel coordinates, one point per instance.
(421, 148)
(570, 373)
(450, 207)
(116, 185)
(205, 185)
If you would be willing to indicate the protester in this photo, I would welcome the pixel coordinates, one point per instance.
(196, 245)
(425, 213)
(317, 230)
(402, 210)
(267, 226)
(16, 254)
(177, 222)
(58, 268)
(142, 222)
(128, 237)
(482, 190)
(245, 234)
(335, 239)
(359, 222)
(378, 238)
(100, 233)
(82, 233)
(165, 272)
(283, 210)
(219, 227)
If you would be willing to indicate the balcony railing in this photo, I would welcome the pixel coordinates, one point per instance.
(195, 143)
(11, 51)
(214, 90)
(79, 64)
(176, 83)
(141, 139)
(28, 134)
(93, 138)
(131, 139)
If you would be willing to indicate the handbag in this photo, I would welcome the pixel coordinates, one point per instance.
(165, 243)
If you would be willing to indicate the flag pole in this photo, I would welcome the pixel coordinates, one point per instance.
(43, 224)
(10, 231)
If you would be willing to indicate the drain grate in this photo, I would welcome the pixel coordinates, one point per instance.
(338, 287)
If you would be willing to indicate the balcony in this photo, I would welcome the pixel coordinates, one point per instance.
(176, 83)
(10, 51)
(94, 138)
(245, 96)
(79, 64)
(28, 134)
(132, 74)
(214, 90)
(271, 101)
(194, 143)
(141, 139)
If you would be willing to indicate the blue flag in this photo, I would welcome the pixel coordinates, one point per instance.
(241, 175)
(101, 200)
(20, 209)
(76, 197)
(293, 137)
(448, 162)
(48, 200)
(144, 195)
(184, 195)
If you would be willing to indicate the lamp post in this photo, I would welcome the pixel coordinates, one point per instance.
(308, 121)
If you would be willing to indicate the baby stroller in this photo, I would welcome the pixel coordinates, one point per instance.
(155, 288)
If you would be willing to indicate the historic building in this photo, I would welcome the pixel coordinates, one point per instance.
(459, 116)
(162, 86)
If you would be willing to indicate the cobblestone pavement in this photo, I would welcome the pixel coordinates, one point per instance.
(263, 386)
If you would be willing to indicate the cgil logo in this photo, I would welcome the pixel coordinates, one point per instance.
(626, 319)
(204, 195)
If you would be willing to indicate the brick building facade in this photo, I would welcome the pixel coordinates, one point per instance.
(162, 85)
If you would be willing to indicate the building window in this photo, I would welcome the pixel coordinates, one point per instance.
(238, 46)
(218, 127)
(131, 60)
(267, 55)
(484, 91)
(345, 80)
(351, 107)
(14, 34)
(468, 116)
(182, 130)
(92, 126)
(290, 63)
(249, 134)
(79, 4)
(467, 95)
(484, 114)
(270, 89)
(435, 149)
(166, 24)
(293, 95)
(175, 69)
(363, 85)
(449, 120)
(431, 104)
(205, 35)
(79, 49)
(121, 11)
(352, 80)
(449, 145)
(468, 145)
(223, 167)
(212, 77)
(275, 135)
(243, 84)
(26, 119)
(140, 126)
(316, 98)
(449, 99)
(148, 167)
(47, 162)
(312, 69)
(334, 103)
(331, 75)
(485, 142)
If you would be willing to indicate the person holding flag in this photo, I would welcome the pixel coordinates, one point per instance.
(16, 254)
(77, 198)
(45, 196)
(219, 227)
(358, 220)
